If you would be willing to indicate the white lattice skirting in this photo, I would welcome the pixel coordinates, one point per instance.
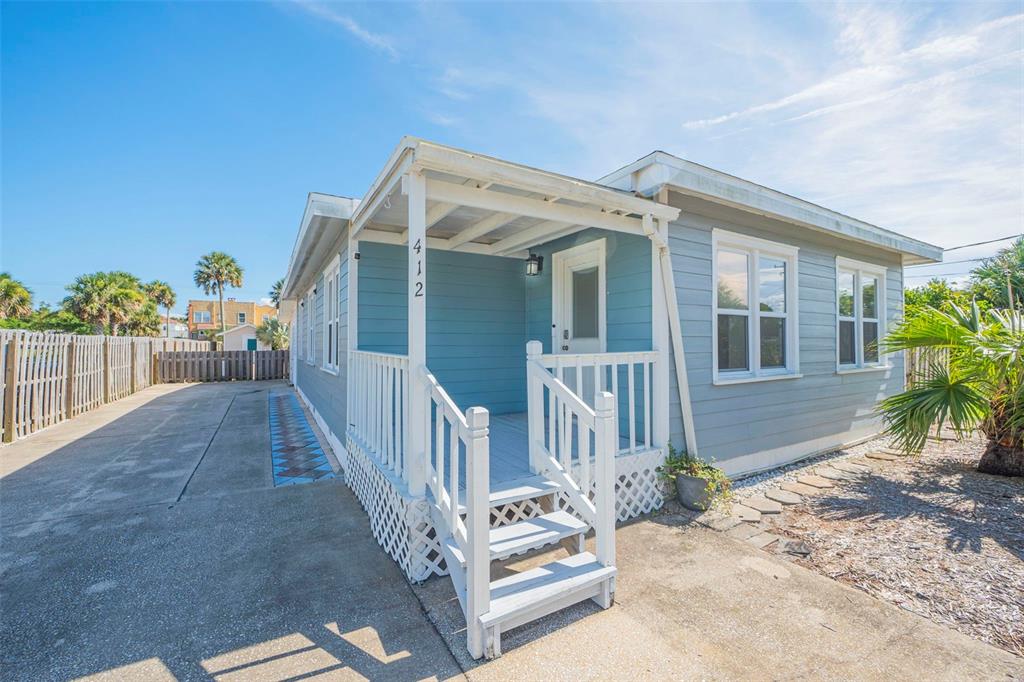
(402, 524)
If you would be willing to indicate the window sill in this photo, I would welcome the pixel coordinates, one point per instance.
(330, 370)
(719, 381)
(861, 370)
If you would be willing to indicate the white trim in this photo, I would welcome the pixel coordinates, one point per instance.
(562, 264)
(762, 460)
(340, 452)
(753, 248)
(332, 319)
(858, 269)
(310, 307)
(869, 368)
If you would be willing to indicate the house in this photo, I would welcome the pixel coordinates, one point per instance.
(177, 329)
(242, 337)
(204, 315)
(501, 355)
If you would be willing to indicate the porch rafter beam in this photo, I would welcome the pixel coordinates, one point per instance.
(531, 207)
(538, 234)
(383, 237)
(380, 194)
(487, 225)
(442, 210)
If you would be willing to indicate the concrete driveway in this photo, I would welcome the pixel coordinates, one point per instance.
(145, 541)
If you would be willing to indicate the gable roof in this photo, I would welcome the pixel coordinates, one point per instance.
(659, 170)
(235, 329)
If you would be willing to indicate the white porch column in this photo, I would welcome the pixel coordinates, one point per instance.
(660, 339)
(415, 188)
(352, 319)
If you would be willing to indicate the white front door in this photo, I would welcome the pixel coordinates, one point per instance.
(578, 305)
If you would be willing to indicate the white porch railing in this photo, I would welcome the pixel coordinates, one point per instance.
(378, 400)
(588, 374)
(574, 430)
(453, 434)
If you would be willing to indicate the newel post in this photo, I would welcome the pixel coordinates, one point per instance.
(606, 437)
(534, 406)
(415, 187)
(478, 524)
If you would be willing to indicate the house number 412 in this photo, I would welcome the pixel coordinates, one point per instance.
(418, 284)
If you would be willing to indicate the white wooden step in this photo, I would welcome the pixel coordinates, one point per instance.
(535, 593)
(507, 492)
(523, 536)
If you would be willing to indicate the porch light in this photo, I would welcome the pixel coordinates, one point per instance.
(534, 264)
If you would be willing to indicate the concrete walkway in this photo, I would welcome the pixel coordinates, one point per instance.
(146, 541)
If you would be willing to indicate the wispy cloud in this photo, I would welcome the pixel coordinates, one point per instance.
(327, 13)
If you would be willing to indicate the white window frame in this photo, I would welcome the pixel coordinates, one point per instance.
(241, 318)
(337, 317)
(754, 248)
(311, 326)
(329, 334)
(203, 313)
(858, 269)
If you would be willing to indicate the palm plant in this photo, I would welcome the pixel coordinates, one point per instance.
(15, 297)
(981, 386)
(163, 295)
(213, 272)
(275, 292)
(273, 333)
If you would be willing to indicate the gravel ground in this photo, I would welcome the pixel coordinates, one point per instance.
(929, 534)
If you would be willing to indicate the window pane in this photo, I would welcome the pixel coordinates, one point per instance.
(869, 291)
(771, 279)
(732, 280)
(870, 342)
(732, 342)
(847, 343)
(846, 294)
(773, 342)
(584, 303)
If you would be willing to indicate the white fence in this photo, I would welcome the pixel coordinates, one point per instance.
(47, 378)
(378, 400)
(923, 364)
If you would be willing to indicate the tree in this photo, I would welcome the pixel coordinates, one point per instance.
(46, 320)
(163, 295)
(981, 386)
(273, 333)
(275, 292)
(937, 293)
(111, 301)
(15, 297)
(214, 271)
(996, 276)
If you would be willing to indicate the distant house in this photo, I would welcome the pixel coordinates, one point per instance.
(242, 337)
(204, 315)
(501, 355)
(178, 328)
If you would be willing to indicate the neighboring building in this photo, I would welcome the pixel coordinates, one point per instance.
(242, 337)
(484, 342)
(205, 315)
(178, 328)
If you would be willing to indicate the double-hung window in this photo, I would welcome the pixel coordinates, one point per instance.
(755, 309)
(201, 317)
(311, 327)
(330, 329)
(241, 318)
(860, 300)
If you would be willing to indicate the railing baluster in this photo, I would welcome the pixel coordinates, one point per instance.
(647, 404)
(453, 468)
(438, 447)
(631, 368)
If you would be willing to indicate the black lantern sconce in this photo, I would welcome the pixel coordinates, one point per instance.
(534, 265)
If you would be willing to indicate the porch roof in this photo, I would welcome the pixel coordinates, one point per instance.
(322, 223)
(481, 204)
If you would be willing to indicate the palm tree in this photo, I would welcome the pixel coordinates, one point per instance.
(15, 297)
(997, 278)
(273, 333)
(981, 387)
(106, 300)
(214, 271)
(163, 295)
(275, 292)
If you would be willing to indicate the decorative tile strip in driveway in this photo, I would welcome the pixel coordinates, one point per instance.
(294, 449)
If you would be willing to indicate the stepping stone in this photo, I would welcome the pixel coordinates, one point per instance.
(881, 456)
(718, 521)
(783, 496)
(744, 513)
(849, 468)
(762, 540)
(794, 547)
(744, 531)
(815, 481)
(800, 488)
(763, 504)
(834, 474)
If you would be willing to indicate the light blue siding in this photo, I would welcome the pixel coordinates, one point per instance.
(735, 423)
(476, 310)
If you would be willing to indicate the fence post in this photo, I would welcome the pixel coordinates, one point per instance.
(69, 395)
(10, 386)
(132, 383)
(106, 369)
(156, 368)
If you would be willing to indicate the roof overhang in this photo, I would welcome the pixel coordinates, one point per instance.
(481, 204)
(235, 329)
(322, 223)
(648, 175)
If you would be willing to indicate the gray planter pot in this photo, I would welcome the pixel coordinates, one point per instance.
(693, 492)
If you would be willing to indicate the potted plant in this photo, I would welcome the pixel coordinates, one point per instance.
(698, 483)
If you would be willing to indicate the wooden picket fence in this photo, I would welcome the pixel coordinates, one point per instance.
(221, 365)
(923, 364)
(47, 378)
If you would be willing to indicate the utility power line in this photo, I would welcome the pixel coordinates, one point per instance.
(990, 241)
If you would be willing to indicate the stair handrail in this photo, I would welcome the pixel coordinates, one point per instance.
(472, 535)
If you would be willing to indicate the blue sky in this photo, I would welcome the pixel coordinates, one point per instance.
(139, 136)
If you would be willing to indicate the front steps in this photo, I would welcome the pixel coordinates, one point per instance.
(524, 597)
